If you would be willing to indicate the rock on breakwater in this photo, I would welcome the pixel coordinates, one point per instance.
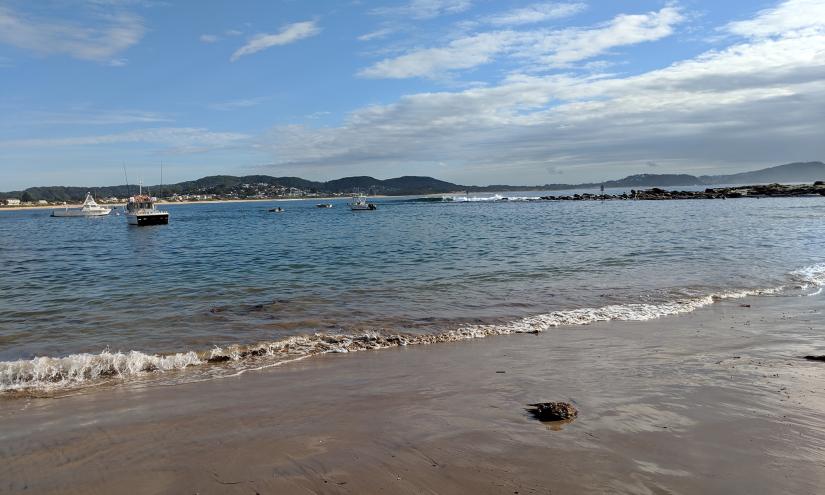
(756, 191)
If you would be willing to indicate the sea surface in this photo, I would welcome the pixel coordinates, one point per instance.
(227, 287)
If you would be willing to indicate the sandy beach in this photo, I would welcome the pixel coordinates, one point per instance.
(715, 401)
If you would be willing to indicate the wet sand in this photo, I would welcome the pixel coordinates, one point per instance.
(716, 401)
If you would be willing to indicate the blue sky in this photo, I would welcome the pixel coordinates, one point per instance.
(472, 91)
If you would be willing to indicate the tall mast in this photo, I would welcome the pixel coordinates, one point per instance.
(127, 180)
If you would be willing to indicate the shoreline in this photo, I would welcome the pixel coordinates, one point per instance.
(53, 376)
(713, 401)
(649, 194)
(167, 203)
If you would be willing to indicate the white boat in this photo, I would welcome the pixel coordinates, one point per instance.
(89, 209)
(140, 210)
(359, 203)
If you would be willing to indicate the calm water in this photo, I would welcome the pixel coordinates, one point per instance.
(223, 274)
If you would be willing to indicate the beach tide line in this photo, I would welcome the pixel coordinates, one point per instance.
(45, 374)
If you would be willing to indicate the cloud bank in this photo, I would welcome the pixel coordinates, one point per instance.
(758, 99)
(541, 48)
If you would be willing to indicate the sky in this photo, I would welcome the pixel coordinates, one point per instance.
(470, 91)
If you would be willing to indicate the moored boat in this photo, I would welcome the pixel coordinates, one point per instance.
(140, 210)
(359, 203)
(89, 209)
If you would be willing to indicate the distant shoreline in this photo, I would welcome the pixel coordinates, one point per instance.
(166, 203)
(265, 185)
(817, 189)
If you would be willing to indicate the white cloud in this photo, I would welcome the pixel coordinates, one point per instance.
(318, 115)
(177, 139)
(537, 12)
(288, 34)
(237, 104)
(377, 34)
(425, 9)
(543, 48)
(214, 38)
(104, 36)
(463, 53)
(86, 116)
(788, 16)
(754, 102)
(573, 45)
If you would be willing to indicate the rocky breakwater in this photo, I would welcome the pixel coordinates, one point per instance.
(757, 191)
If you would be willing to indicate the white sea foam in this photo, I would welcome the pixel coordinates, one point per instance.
(810, 276)
(48, 373)
(77, 370)
(623, 312)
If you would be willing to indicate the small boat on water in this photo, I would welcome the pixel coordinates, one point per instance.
(276, 210)
(324, 205)
(140, 210)
(89, 209)
(359, 203)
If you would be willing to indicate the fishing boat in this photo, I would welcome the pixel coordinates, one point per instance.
(140, 210)
(89, 209)
(324, 205)
(276, 210)
(359, 203)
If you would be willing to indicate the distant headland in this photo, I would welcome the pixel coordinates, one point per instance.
(228, 187)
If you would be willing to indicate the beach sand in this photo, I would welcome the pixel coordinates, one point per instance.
(716, 401)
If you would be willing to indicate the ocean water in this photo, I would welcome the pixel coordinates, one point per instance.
(229, 287)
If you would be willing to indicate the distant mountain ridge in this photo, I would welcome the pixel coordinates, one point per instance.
(790, 172)
(222, 185)
(225, 185)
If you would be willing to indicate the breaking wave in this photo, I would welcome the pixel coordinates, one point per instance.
(810, 276)
(47, 374)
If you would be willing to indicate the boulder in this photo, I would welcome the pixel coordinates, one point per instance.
(553, 411)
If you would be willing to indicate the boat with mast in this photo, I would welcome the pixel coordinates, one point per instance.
(89, 209)
(141, 210)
